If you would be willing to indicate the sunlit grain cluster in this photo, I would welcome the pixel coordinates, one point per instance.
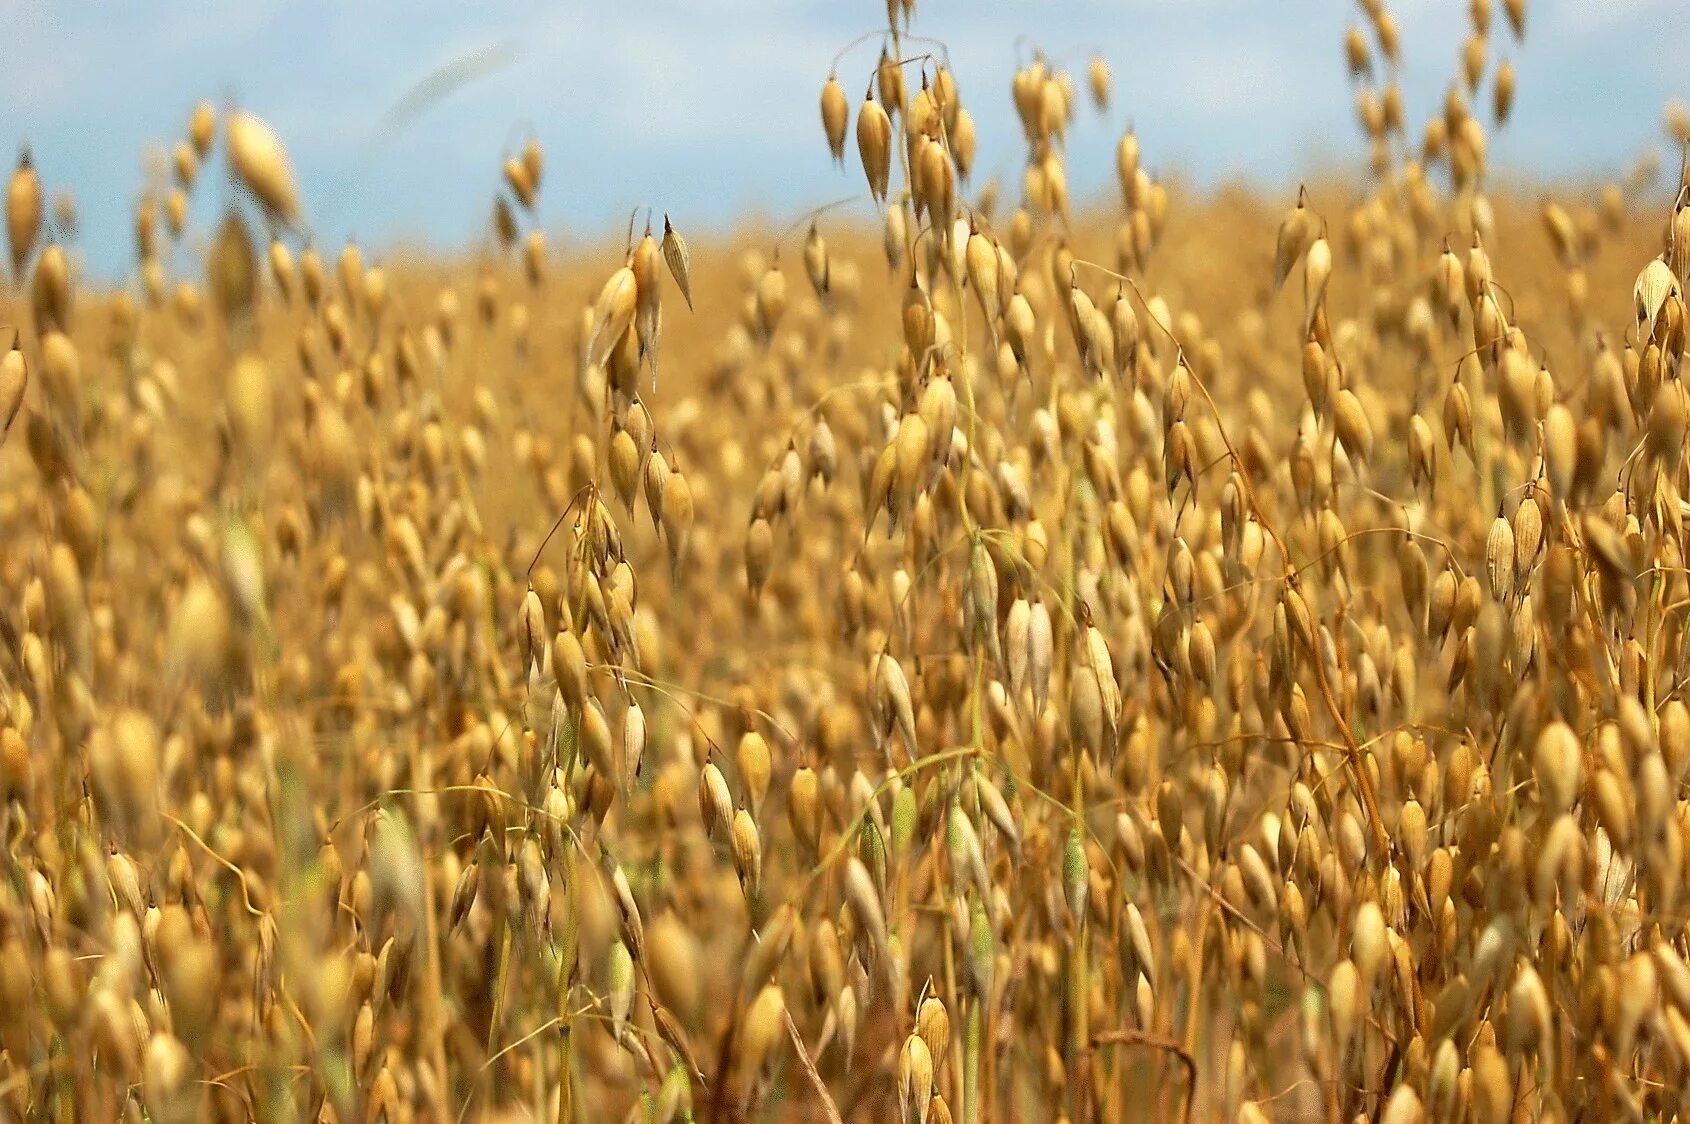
(1147, 658)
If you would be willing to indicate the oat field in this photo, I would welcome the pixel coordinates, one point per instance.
(974, 654)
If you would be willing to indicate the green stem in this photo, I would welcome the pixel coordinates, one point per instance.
(971, 1066)
(566, 1078)
(499, 978)
(1078, 1033)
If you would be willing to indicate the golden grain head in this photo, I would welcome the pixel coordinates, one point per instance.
(24, 203)
(260, 161)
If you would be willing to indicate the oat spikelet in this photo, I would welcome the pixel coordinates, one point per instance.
(23, 211)
(1296, 233)
(678, 259)
(1655, 286)
(261, 162)
(874, 145)
(14, 381)
(836, 113)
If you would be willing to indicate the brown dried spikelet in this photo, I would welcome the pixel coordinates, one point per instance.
(759, 554)
(770, 301)
(261, 162)
(123, 763)
(534, 257)
(1528, 538)
(24, 209)
(504, 223)
(1678, 234)
(764, 956)
(1354, 429)
(521, 183)
(1097, 74)
(874, 145)
(613, 313)
(655, 484)
(197, 644)
(282, 271)
(1503, 92)
(1655, 285)
(1317, 272)
(534, 161)
(202, 128)
(47, 448)
(836, 115)
(677, 517)
(176, 212)
(633, 743)
(1674, 737)
(648, 316)
(185, 164)
(679, 260)
(933, 1025)
(624, 463)
(1296, 235)
(191, 980)
(249, 404)
(673, 961)
(715, 802)
(1403, 1107)
(232, 269)
(915, 1080)
(1516, 11)
(1356, 55)
(1499, 559)
(61, 381)
(864, 902)
(1493, 1088)
(596, 742)
(1473, 60)
(755, 764)
(14, 382)
(50, 292)
(803, 809)
(889, 78)
(1557, 763)
(165, 1070)
(816, 264)
(759, 1032)
(312, 275)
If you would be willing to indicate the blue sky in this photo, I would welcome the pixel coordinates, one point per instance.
(707, 108)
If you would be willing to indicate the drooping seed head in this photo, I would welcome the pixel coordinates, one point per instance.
(836, 115)
(874, 145)
(24, 204)
(261, 162)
